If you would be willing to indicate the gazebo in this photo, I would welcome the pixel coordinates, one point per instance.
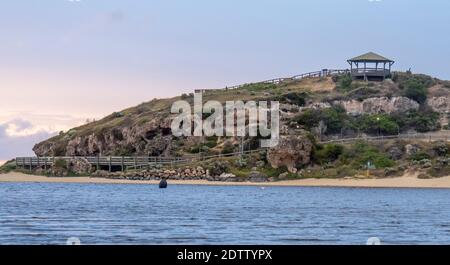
(368, 66)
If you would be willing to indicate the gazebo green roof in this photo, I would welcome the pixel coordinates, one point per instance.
(370, 57)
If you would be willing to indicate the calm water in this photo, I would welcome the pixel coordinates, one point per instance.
(142, 214)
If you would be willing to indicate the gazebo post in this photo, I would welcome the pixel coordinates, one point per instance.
(365, 71)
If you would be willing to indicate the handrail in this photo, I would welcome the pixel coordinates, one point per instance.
(146, 161)
(427, 136)
(324, 72)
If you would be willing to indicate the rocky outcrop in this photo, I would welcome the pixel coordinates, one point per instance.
(185, 173)
(371, 105)
(140, 138)
(256, 176)
(439, 104)
(378, 105)
(80, 165)
(412, 149)
(293, 151)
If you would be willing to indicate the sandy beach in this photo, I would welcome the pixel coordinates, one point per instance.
(407, 181)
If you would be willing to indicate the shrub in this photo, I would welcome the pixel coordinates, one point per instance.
(307, 119)
(259, 87)
(60, 163)
(211, 143)
(218, 167)
(419, 156)
(373, 124)
(441, 148)
(327, 153)
(344, 82)
(402, 79)
(415, 91)
(424, 120)
(194, 149)
(117, 114)
(335, 118)
(293, 98)
(360, 153)
(228, 148)
(8, 166)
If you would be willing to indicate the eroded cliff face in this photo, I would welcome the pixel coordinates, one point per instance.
(378, 105)
(152, 137)
(439, 104)
(293, 151)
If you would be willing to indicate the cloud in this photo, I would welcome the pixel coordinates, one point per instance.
(21, 132)
(13, 145)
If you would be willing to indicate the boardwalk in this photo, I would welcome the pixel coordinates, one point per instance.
(121, 162)
(138, 162)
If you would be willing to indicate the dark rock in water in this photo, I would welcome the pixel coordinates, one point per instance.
(163, 184)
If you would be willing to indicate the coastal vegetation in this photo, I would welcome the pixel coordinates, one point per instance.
(336, 120)
(313, 111)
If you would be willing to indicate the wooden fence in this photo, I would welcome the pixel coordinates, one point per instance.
(433, 136)
(122, 162)
(322, 73)
(139, 162)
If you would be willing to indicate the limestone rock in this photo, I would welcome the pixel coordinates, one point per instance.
(292, 151)
(412, 149)
(256, 176)
(395, 153)
(80, 165)
(378, 105)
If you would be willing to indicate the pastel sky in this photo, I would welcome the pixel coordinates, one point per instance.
(63, 61)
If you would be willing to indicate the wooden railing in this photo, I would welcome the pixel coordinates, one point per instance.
(136, 162)
(124, 162)
(322, 73)
(433, 136)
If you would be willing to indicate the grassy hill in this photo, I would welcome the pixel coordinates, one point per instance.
(324, 108)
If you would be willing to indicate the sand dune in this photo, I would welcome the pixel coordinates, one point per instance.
(407, 181)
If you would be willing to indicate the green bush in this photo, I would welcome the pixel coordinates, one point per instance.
(344, 82)
(60, 163)
(211, 142)
(258, 87)
(327, 153)
(375, 124)
(402, 79)
(307, 119)
(8, 166)
(419, 156)
(117, 114)
(228, 148)
(415, 91)
(424, 120)
(360, 153)
(335, 118)
(293, 98)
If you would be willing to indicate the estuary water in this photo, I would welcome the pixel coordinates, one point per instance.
(50, 213)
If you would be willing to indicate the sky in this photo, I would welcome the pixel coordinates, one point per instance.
(65, 61)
